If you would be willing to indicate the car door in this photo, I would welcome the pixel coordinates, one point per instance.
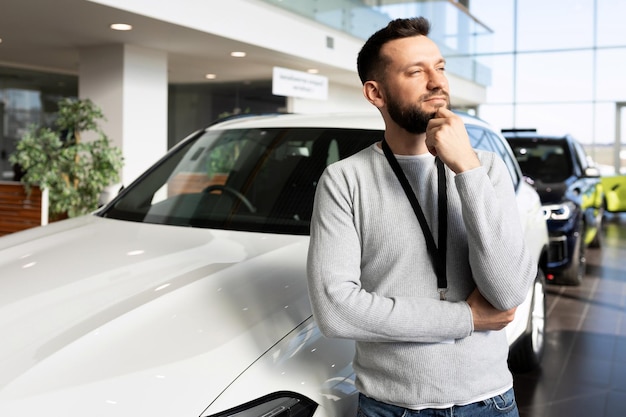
(591, 192)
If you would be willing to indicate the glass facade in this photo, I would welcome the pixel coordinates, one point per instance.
(558, 66)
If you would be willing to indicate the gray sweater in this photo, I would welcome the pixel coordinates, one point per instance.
(371, 279)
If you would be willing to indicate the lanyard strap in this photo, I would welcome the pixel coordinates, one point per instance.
(437, 253)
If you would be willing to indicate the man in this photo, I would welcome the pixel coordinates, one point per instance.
(428, 333)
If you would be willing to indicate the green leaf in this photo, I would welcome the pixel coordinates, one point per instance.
(75, 172)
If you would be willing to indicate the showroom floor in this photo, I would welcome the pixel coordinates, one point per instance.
(584, 368)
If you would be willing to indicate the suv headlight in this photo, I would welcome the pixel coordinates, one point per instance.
(277, 404)
(559, 211)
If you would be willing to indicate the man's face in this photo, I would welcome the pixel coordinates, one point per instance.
(410, 117)
(415, 84)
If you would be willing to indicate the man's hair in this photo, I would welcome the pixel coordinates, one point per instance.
(370, 64)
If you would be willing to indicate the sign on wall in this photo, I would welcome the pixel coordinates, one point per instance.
(291, 83)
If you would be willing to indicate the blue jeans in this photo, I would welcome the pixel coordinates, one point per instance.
(499, 406)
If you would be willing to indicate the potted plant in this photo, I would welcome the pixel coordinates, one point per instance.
(74, 171)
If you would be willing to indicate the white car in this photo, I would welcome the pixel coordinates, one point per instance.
(187, 296)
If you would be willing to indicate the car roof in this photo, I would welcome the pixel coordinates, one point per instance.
(363, 120)
(531, 134)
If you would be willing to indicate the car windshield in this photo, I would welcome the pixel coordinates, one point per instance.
(545, 161)
(239, 179)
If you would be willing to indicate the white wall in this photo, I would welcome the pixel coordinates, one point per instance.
(145, 93)
(341, 98)
(129, 85)
(256, 22)
(100, 78)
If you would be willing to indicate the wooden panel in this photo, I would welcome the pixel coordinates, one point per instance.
(191, 182)
(18, 210)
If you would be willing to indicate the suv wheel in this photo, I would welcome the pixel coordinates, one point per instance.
(597, 239)
(574, 274)
(526, 354)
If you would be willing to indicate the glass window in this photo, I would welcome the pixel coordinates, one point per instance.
(261, 180)
(604, 132)
(27, 98)
(558, 119)
(500, 89)
(500, 116)
(479, 139)
(503, 149)
(487, 141)
(498, 16)
(611, 27)
(543, 160)
(581, 156)
(555, 24)
(555, 77)
(554, 88)
(610, 74)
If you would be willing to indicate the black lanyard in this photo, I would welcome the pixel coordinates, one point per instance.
(437, 253)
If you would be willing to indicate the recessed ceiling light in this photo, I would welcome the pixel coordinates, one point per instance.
(238, 54)
(210, 76)
(313, 71)
(121, 26)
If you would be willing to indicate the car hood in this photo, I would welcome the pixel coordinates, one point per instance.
(551, 193)
(96, 313)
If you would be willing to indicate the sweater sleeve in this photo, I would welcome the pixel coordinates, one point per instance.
(502, 266)
(341, 307)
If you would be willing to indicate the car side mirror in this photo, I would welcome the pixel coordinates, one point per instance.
(592, 172)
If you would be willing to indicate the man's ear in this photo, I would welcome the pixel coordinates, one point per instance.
(373, 93)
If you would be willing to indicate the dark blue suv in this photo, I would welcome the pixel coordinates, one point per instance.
(571, 194)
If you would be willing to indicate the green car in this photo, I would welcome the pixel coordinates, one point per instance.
(614, 193)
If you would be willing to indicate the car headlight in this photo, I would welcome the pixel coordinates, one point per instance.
(559, 211)
(278, 404)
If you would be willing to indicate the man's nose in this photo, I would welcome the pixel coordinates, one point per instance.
(436, 80)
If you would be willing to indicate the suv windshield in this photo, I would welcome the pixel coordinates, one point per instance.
(240, 179)
(544, 160)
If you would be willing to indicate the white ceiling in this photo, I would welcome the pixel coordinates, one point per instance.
(47, 35)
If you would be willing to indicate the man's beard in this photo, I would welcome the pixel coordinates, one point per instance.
(412, 118)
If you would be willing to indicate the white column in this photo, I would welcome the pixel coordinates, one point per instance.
(129, 84)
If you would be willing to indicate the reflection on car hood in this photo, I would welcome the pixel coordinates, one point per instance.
(100, 311)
